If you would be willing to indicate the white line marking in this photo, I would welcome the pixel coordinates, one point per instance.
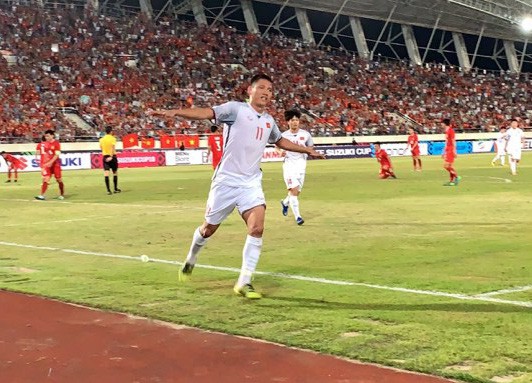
(287, 276)
(81, 219)
(506, 180)
(506, 291)
(82, 202)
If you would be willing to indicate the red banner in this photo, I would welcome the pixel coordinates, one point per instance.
(133, 159)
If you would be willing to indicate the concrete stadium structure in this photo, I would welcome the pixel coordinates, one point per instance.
(467, 33)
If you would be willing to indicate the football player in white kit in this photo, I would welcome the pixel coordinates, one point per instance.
(237, 181)
(295, 164)
(514, 144)
(501, 147)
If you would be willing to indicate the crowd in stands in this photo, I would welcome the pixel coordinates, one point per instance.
(112, 71)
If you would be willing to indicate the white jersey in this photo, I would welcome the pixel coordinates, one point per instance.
(515, 136)
(245, 137)
(297, 160)
(501, 142)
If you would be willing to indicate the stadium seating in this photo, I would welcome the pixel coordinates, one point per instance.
(112, 71)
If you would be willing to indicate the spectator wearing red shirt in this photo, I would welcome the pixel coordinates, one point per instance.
(449, 153)
(383, 159)
(50, 164)
(13, 165)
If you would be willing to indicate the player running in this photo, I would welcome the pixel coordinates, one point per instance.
(413, 144)
(383, 159)
(237, 181)
(50, 150)
(449, 153)
(13, 166)
(514, 144)
(295, 164)
(215, 146)
(500, 144)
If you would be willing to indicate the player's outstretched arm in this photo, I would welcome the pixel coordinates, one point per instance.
(285, 144)
(189, 114)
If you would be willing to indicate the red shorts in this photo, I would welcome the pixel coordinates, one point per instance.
(415, 153)
(216, 161)
(449, 157)
(54, 170)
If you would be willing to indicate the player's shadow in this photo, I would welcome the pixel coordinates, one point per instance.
(462, 306)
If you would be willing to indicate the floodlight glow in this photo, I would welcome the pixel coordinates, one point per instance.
(526, 24)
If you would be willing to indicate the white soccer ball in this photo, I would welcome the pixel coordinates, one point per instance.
(144, 258)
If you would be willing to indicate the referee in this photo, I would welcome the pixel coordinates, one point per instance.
(110, 162)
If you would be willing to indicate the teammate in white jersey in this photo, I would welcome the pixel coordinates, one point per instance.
(295, 164)
(514, 144)
(237, 181)
(501, 147)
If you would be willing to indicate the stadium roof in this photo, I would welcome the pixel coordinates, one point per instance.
(499, 19)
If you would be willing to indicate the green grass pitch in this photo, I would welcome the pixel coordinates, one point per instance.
(411, 233)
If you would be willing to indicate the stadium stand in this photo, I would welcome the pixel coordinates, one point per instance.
(112, 70)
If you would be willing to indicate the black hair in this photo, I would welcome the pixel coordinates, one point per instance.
(289, 114)
(377, 143)
(260, 76)
(2, 152)
(514, 119)
(446, 121)
(214, 128)
(108, 129)
(49, 131)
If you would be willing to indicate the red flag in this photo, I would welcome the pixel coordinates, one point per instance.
(148, 142)
(192, 141)
(130, 140)
(167, 142)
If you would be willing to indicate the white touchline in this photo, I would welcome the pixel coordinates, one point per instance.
(82, 202)
(286, 276)
(517, 289)
(81, 219)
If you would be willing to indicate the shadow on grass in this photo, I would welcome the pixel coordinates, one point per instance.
(312, 303)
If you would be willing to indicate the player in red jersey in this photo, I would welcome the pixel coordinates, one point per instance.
(449, 153)
(49, 151)
(386, 165)
(13, 165)
(413, 144)
(216, 146)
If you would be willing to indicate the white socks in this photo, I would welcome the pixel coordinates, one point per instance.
(513, 167)
(499, 157)
(286, 201)
(250, 258)
(294, 204)
(197, 243)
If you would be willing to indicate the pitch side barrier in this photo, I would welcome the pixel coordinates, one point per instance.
(71, 160)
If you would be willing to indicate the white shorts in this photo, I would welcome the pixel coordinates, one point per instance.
(515, 154)
(223, 200)
(294, 177)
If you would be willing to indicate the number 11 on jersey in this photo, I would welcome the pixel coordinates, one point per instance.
(260, 131)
